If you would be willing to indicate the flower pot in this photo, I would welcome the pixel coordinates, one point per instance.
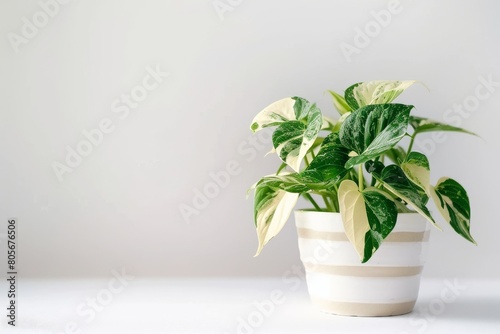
(339, 283)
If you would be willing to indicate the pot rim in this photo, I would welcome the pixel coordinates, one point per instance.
(332, 221)
(338, 213)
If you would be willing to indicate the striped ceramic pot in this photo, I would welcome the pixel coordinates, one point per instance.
(339, 283)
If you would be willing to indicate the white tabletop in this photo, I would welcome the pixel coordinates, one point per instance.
(222, 305)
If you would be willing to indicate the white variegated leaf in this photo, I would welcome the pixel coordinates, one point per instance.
(298, 124)
(273, 215)
(395, 181)
(375, 92)
(293, 139)
(368, 216)
(274, 114)
(353, 212)
(453, 203)
(416, 168)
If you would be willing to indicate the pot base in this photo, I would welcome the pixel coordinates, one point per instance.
(363, 309)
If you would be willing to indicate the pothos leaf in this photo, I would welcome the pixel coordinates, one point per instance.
(276, 113)
(273, 214)
(421, 125)
(368, 217)
(340, 103)
(394, 180)
(329, 163)
(298, 122)
(374, 129)
(273, 205)
(350, 97)
(375, 92)
(453, 203)
(416, 168)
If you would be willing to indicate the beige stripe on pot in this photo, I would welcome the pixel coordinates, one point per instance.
(306, 233)
(363, 271)
(364, 309)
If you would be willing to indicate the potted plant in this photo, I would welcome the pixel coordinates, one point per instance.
(362, 247)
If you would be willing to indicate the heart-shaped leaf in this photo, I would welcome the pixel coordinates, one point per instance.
(416, 168)
(372, 130)
(453, 203)
(394, 179)
(329, 163)
(276, 113)
(298, 122)
(375, 92)
(272, 208)
(368, 217)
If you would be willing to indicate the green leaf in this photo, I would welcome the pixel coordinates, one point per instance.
(416, 168)
(292, 183)
(368, 217)
(375, 92)
(382, 216)
(421, 125)
(340, 103)
(328, 165)
(272, 208)
(394, 179)
(293, 138)
(453, 203)
(350, 97)
(302, 108)
(374, 129)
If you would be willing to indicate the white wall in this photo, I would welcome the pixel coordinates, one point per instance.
(120, 206)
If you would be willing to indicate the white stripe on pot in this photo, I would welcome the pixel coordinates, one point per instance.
(375, 289)
(343, 253)
(322, 221)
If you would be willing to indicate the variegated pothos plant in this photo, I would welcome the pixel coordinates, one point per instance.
(355, 165)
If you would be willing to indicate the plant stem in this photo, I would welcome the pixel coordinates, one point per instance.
(361, 181)
(334, 205)
(313, 202)
(306, 161)
(411, 143)
(327, 203)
